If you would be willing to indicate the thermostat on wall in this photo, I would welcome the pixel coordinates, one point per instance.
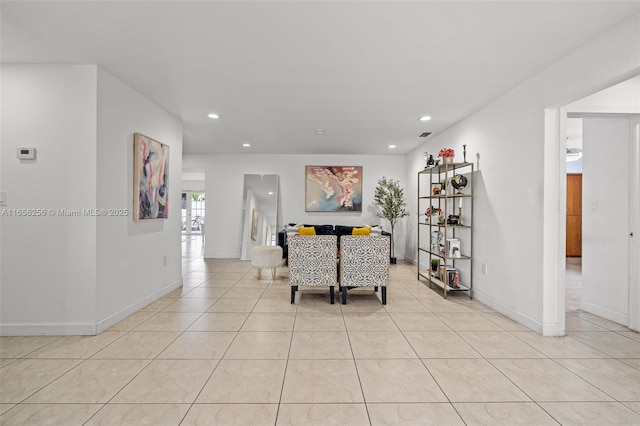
(26, 153)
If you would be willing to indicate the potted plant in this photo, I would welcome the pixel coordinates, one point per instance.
(389, 197)
(434, 264)
(447, 155)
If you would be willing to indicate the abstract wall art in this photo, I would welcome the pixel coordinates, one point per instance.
(333, 188)
(151, 178)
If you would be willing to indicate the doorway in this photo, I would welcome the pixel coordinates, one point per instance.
(193, 212)
(616, 295)
(600, 283)
(573, 282)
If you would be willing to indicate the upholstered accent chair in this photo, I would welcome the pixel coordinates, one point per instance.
(364, 262)
(313, 262)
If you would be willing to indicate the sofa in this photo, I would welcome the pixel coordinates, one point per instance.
(337, 230)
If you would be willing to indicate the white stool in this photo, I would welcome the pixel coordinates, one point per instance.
(266, 257)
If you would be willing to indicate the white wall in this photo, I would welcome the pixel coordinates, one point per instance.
(131, 265)
(513, 217)
(605, 218)
(623, 97)
(192, 185)
(225, 180)
(78, 274)
(49, 262)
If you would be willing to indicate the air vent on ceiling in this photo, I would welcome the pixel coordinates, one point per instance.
(424, 135)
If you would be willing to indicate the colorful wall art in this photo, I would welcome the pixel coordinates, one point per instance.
(333, 188)
(151, 178)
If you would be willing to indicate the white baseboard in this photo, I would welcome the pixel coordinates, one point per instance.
(48, 329)
(411, 260)
(222, 255)
(83, 329)
(115, 318)
(617, 317)
(510, 312)
(534, 325)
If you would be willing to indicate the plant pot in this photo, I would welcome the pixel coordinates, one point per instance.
(447, 160)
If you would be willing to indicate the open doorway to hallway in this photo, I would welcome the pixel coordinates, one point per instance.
(193, 212)
(573, 283)
(601, 210)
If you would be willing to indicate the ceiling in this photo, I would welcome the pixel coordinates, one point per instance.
(363, 72)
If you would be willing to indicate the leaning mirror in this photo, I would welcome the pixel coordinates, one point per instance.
(260, 214)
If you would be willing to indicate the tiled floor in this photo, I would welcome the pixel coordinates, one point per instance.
(573, 284)
(229, 349)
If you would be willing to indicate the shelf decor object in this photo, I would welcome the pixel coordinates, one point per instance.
(447, 155)
(432, 211)
(450, 241)
(459, 182)
(428, 160)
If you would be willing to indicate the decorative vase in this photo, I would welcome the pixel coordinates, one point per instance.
(447, 160)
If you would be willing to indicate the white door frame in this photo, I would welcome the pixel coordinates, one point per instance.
(634, 227)
(555, 210)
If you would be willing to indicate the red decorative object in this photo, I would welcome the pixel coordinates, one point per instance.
(446, 152)
(432, 211)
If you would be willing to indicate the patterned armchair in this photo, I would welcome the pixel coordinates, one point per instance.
(364, 262)
(313, 262)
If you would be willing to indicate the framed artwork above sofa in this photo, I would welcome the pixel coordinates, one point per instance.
(333, 188)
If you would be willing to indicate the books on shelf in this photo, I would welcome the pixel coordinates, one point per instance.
(453, 279)
(450, 276)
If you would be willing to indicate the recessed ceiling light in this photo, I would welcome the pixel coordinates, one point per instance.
(246, 145)
(213, 115)
(270, 192)
(319, 131)
(392, 146)
(425, 118)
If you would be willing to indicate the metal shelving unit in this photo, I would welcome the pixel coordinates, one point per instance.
(435, 189)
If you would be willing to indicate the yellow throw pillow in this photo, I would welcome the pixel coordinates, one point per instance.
(307, 230)
(361, 231)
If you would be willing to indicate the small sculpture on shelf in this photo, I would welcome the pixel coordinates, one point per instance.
(459, 182)
(437, 241)
(453, 219)
(428, 160)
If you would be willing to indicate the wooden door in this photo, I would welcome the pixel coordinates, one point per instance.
(574, 215)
